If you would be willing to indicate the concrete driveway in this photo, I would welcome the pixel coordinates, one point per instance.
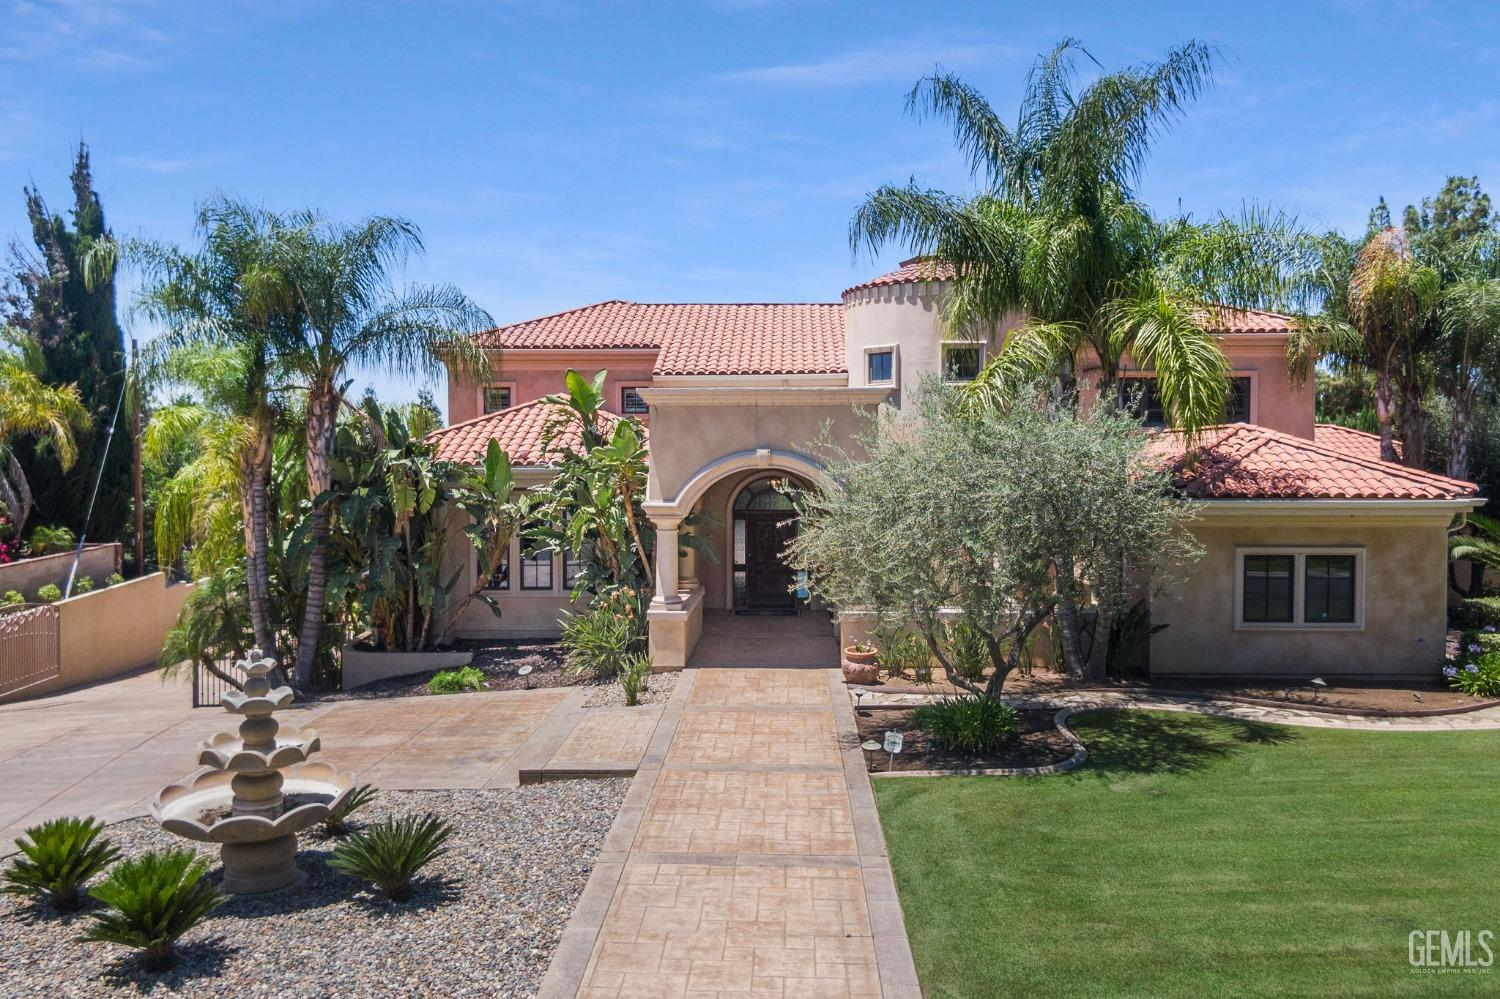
(106, 750)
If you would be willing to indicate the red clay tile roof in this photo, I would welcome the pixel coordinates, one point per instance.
(520, 431)
(922, 269)
(1350, 441)
(694, 339)
(1241, 461)
(913, 271)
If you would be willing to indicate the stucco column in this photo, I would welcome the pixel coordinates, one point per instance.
(666, 562)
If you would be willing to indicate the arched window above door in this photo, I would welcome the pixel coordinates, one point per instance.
(764, 494)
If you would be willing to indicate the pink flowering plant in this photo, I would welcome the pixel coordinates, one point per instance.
(1476, 668)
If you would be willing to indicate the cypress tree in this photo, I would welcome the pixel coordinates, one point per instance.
(83, 344)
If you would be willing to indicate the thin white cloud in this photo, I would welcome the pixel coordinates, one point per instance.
(875, 64)
(157, 164)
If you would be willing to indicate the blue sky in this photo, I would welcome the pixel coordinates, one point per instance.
(556, 154)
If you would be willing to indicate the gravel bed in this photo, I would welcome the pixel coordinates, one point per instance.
(499, 660)
(484, 921)
(611, 695)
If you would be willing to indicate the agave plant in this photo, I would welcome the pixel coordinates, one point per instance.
(389, 854)
(153, 900)
(337, 822)
(57, 860)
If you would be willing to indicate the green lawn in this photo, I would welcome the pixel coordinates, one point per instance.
(1197, 856)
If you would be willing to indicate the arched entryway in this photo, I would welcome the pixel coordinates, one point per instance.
(763, 521)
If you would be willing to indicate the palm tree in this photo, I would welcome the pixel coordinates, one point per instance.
(1058, 235)
(1469, 357)
(230, 295)
(348, 314)
(206, 505)
(30, 407)
(1376, 298)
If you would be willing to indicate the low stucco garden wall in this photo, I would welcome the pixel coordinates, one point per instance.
(97, 562)
(1405, 601)
(113, 631)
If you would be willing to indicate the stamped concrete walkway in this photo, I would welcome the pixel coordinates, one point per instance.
(747, 858)
(106, 750)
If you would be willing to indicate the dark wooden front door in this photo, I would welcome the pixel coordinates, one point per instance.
(768, 581)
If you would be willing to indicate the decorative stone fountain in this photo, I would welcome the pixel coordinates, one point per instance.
(261, 793)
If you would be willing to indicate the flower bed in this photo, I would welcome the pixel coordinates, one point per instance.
(1037, 743)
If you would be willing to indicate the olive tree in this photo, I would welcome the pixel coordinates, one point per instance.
(993, 513)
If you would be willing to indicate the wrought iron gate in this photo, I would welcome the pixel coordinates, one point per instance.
(30, 646)
(211, 684)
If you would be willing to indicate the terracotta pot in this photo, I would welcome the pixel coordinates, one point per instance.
(862, 658)
(860, 667)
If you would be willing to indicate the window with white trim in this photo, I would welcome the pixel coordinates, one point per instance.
(536, 570)
(880, 366)
(573, 565)
(632, 403)
(1299, 588)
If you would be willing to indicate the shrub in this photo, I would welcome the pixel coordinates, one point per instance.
(456, 681)
(634, 677)
(13, 597)
(901, 651)
(83, 584)
(113, 579)
(48, 593)
(390, 853)
(1476, 669)
(968, 650)
(602, 638)
(57, 859)
(337, 822)
(50, 539)
(967, 724)
(153, 900)
(1477, 612)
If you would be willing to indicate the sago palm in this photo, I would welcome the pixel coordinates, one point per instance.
(1058, 238)
(350, 314)
(29, 407)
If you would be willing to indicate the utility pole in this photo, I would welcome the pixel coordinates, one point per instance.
(136, 474)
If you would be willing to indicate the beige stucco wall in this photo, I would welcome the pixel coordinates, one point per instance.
(905, 318)
(693, 428)
(97, 562)
(523, 613)
(1404, 603)
(112, 631)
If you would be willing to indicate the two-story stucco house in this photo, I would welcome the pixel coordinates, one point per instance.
(1320, 557)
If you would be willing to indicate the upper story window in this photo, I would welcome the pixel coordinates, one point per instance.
(962, 361)
(1149, 405)
(631, 402)
(497, 397)
(1299, 588)
(880, 367)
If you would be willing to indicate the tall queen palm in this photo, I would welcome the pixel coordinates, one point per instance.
(1058, 236)
(220, 308)
(350, 314)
